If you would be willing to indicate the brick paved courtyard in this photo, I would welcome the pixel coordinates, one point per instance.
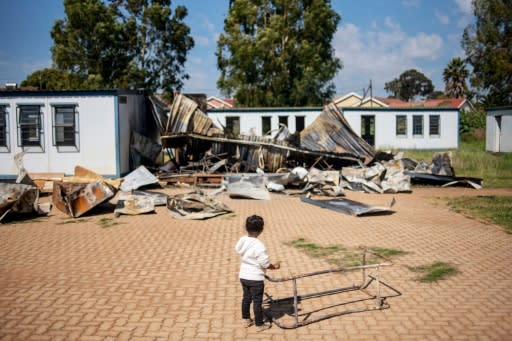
(152, 277)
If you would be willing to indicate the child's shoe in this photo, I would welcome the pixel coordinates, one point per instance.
(264, 326)
(248, 322)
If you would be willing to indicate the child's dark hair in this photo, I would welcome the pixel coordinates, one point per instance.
(254, 223)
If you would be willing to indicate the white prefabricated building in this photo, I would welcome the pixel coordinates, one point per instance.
(498, 130)
(384, 128)
(62, 129)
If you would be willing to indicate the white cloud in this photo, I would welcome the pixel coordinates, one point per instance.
(388, 21)
(201, 40)
(464, 6)
(427, 46)
(411, 3)
(380, 55)
(443, 19)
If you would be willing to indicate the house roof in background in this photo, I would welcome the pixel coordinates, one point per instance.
(455, 103)
(217, 103)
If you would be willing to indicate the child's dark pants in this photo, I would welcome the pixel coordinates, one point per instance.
(253, 292)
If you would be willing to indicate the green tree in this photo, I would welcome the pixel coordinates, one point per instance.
(409, 84)
(52, 79)
(160, 43)
(92, 44)
(123, 44)
(278, 53)
(487, 44)
(454, 76)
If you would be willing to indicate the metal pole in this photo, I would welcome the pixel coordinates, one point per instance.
(295, 302)
(378, 287)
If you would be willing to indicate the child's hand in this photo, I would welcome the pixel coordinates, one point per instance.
(277, 265)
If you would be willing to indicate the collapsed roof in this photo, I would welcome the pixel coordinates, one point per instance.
(329, 138)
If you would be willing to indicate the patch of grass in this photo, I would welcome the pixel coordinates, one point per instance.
(342, 256)
(73, 221)
(471, 160)
(495, 209)
(108, 222)
(384, 252)
(434, 272)
(315, 250)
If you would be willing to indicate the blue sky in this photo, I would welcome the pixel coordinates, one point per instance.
(376, 39)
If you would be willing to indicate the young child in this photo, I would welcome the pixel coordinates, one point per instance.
(253, 264)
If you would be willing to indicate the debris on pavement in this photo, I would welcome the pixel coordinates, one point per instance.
(75, 199)
(134, 204)
(20, 199)
(138, 202)
(195, 205)
(194, 139)
(248, 186)
(348, 206)
(138, 178)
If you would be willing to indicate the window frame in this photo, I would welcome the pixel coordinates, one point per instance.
(415, 125)
(230, 124)
(282, 120)
(61, 146)
(397, 132)
(38, 128)
(263, 124)
(4, 114)
(302, 120)
(438, 134)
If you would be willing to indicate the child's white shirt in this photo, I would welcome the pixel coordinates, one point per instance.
(254, 258)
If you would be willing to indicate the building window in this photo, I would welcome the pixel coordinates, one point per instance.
(266, 124)
(417, 125)
(433, 123)
(401, 125)
(30, 127)
(283, 120)
(299, 123)
(65, 127)
(4, 129)
(233, 125)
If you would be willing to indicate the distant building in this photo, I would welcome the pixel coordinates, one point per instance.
(383, 122)
(498, 130)
(217, 103)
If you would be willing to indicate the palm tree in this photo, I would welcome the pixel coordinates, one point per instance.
(454, 76)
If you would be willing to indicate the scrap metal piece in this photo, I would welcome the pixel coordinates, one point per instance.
(134, 204)
(331, 132)
(159, 199)
(75, 199)
(247, 186)
(21, 199)
(195, 205)
(348, 206)
(191, 132)
(138, 178)
(444, 180)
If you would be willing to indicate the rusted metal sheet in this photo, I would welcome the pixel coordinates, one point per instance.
(330, 132)
(193, 134)
(21, 199)
(75, 199)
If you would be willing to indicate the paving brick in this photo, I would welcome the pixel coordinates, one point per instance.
(152, 277)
